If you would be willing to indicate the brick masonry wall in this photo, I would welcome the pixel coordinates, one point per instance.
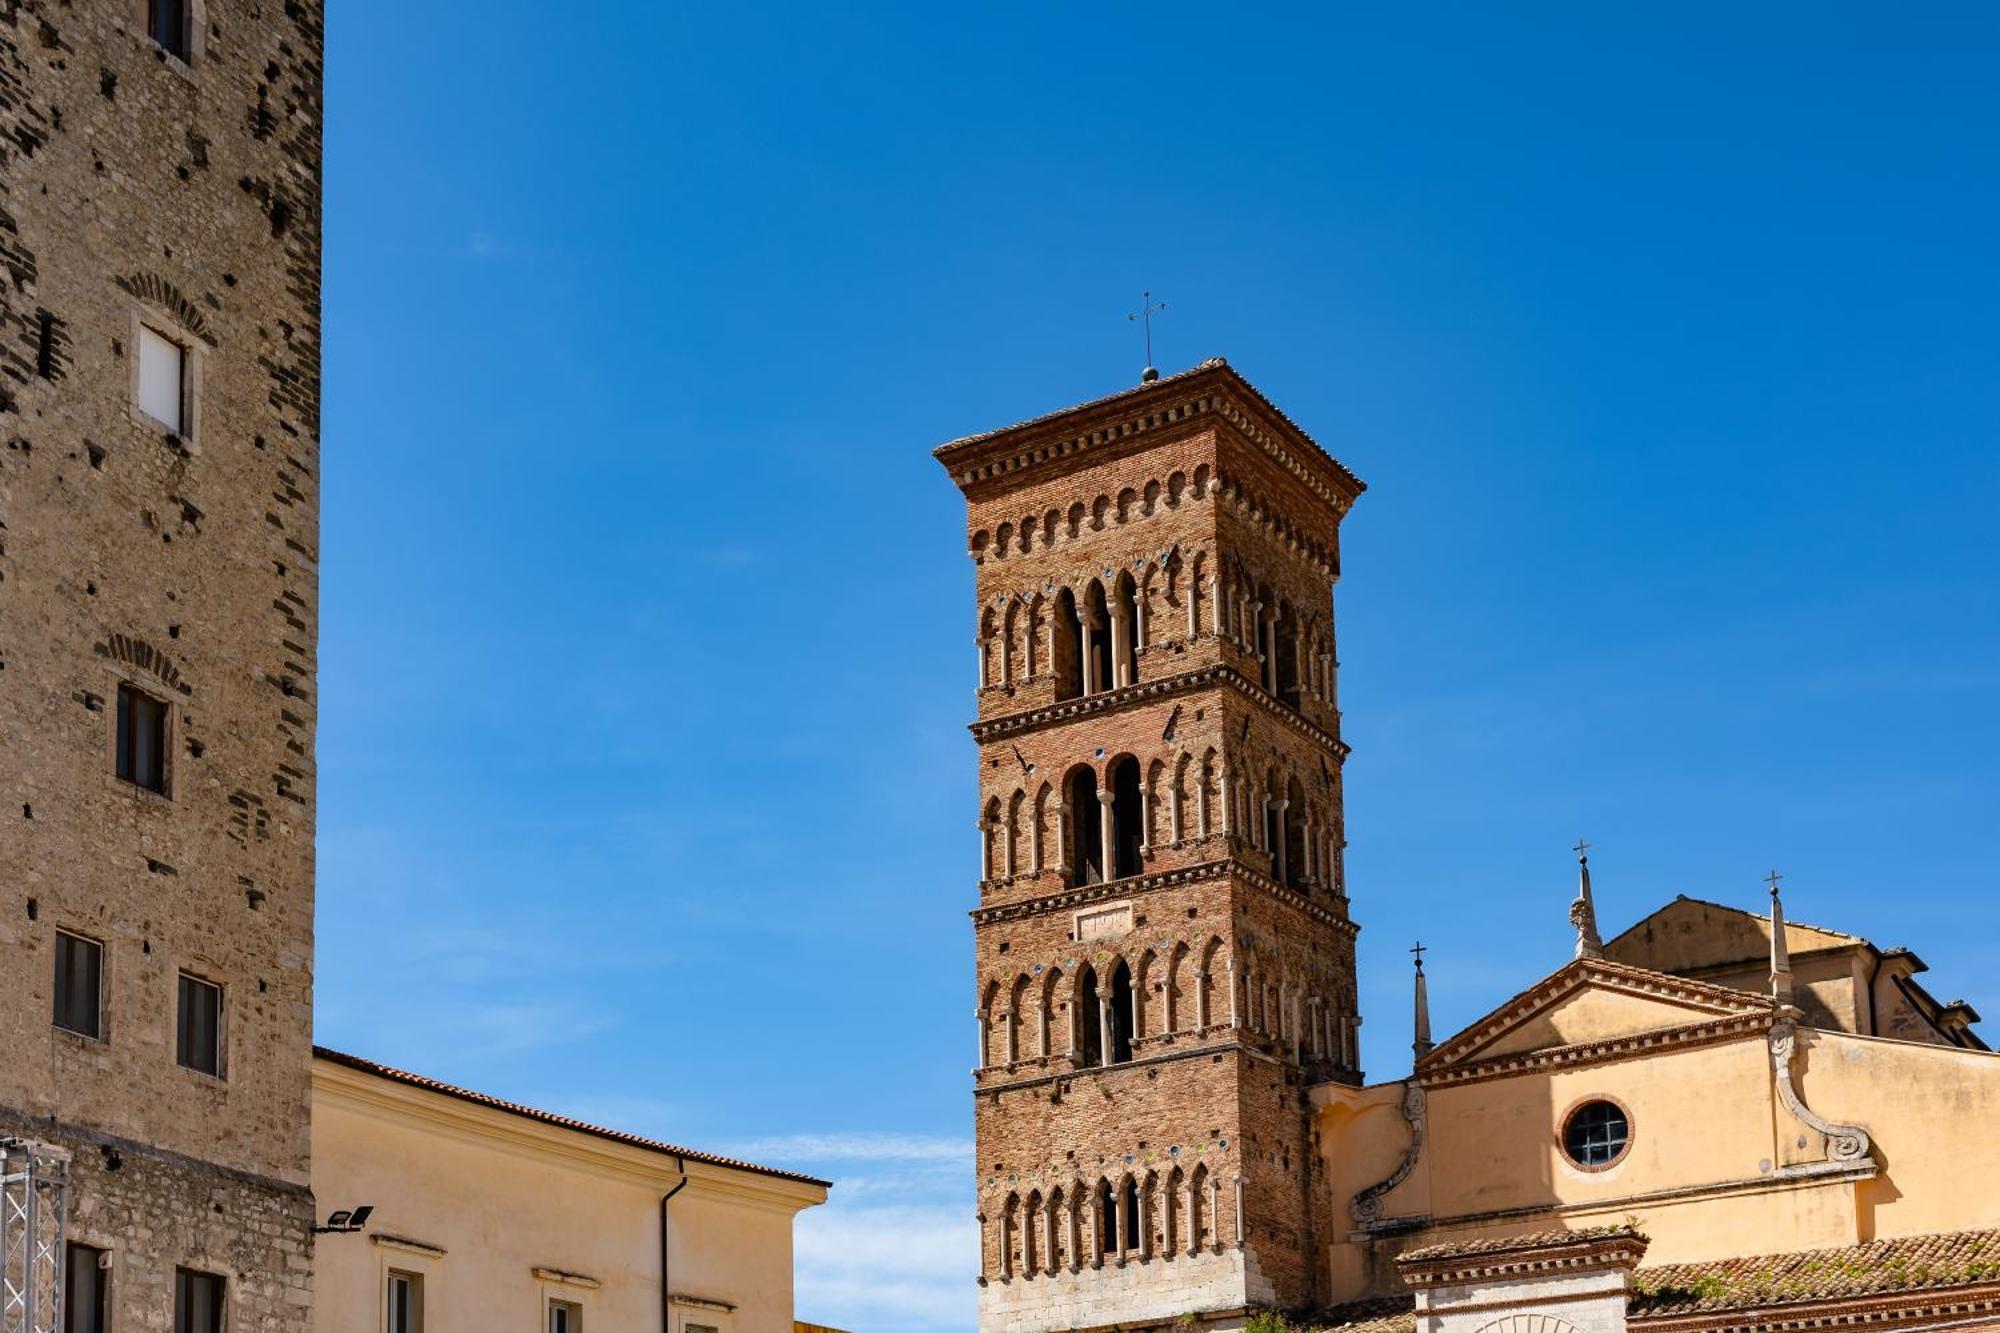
(1215, 1089)
(138, 188)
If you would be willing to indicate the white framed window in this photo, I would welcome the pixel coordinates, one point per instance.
(565, 1317)
(198, 1033)
(163, 379)
(406, 1301)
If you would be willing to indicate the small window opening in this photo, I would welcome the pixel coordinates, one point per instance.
(167, 24)
(198, 1036)
(1090, 1036)
(1128, 817)
(85, 1279)
(1067, 655)
(406, 1302)
(45, 345)
(1121, 1015)
(79, 984)
(1596, 1134)
(163, 379)
(1086, 829)
(565, 1317)
(197, 1302)
(1098, 644)
(142, 739)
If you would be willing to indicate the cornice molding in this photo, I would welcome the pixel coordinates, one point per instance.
(1084, 895)
(989, 729)
(1536, 1257)
(1598, 1052)
(1721, 1002)
(1211, 389)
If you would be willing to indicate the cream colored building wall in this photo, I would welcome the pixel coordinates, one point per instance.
(476, 1200)
(1718, 1166)
(1933, 1112)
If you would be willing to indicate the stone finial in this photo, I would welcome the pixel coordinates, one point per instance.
(1423, 1044)
(1781, 955)
(1583, 912)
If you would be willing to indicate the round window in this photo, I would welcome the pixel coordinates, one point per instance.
(1596, 1134)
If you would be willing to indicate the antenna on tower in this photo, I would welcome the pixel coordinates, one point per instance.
(1145, 312)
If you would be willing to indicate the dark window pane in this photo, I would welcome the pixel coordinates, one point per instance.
(79, 978)
(166, 21)
(1596, 1134)
(197, 1302)
(142, 739)
(83, 1288)
(196, 1044)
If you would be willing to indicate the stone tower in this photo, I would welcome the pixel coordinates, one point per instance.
(159, 542)
(1164, 956)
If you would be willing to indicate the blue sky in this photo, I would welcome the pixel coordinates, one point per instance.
(1666, 341)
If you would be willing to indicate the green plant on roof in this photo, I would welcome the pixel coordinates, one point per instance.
(1267, 1321)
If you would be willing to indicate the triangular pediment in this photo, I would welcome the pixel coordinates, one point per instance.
(1589, 1003)
(1690, 934)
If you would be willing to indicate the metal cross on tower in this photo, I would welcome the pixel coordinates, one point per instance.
(1420, 949)
(1580, 848)
(1145, 312)
(1772, 879)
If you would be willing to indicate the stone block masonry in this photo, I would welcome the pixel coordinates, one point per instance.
(159, 541)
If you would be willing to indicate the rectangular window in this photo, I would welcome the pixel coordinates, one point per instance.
(197, 1302)
(565, 1317)
(406, 1302)
(198, 1038)
(142, 739)
(79, 984)
(163, 380)
(167, 24)
(84, 1283)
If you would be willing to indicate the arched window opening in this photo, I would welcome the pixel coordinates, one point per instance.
(1097, 640)
(1128, 819)
(1107, 1219)
(1128, 1216)
(1089, 1032)
(1086, 828)
(1298, 868)
(1122, 1016)
(1125, 631)
(1065, 645)
(987, 666)
(1287, 672)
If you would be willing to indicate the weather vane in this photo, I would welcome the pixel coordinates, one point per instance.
(1145, 313)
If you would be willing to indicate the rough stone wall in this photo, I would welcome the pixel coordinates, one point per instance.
(1239, 981)
(135, 187)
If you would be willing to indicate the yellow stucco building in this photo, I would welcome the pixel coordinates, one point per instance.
(1705, 1123)
(484, 1215)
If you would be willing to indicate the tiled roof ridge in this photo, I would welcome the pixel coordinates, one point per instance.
(1531, 1240)
(1935, 1261)
(366, 1066)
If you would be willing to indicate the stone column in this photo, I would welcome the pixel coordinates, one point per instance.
(1013, 1035)
(1192, 1228)
(1193, 616)
(1121, 645)
(1009, 836)
(1235, 1015)
(985, 827)
(1174, 812)
(1106, 828)
(1201, 999)
(1097, 1228)
(1145, 817)
(1104, 1024)
(985, 661)
(1239, 1212)
(1063, 839)
(1052, 1261)
(1215, 1214)
(1223, 794)
(979, 1020)
(1284, 869)
(1034, 836)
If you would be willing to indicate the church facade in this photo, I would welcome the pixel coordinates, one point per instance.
(1717, 1119)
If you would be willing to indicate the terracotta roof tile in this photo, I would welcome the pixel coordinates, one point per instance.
(1387, 1314)
(1533, 1240)
(405, 1077)
(1905, 1264)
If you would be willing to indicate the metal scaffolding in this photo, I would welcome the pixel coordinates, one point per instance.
(34, 1190)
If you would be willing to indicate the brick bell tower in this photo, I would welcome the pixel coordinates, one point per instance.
(1164, 955)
